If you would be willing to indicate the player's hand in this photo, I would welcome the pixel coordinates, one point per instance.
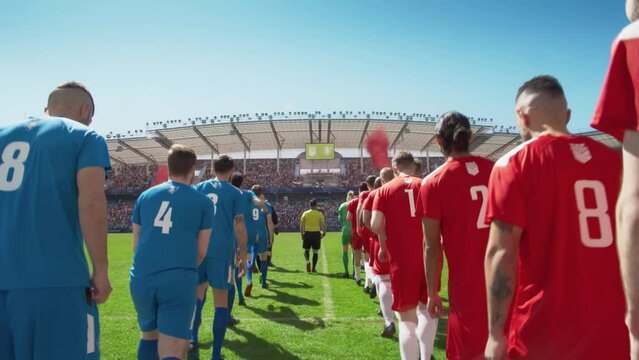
(382, 256)
(633, 326)
(435, 306)
(359, 233)
(323, 234)
(101, 287)
(241, 268)
(496, 348)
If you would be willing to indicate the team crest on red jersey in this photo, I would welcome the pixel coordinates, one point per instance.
(581, 152)
(472, 168)
(408, 180)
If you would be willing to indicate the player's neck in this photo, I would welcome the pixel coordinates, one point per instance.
(180, 179)
(455, 154)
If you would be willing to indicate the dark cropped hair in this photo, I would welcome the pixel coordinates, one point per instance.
(313, 203)
(404, 160)
(237, 179)
(223, 164)
(378, 182)
(363, 186)
(181, 160)
(370, 180)
(454, 129)
(546, 84)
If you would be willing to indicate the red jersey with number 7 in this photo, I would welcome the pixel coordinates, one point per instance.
(397, 199)
(569, 301)
(456, 195)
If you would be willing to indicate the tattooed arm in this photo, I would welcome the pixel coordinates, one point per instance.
(240, 234)
(501, 278)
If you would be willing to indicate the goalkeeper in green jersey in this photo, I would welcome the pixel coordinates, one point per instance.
(345, 225)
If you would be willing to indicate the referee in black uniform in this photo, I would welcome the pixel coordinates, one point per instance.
(313, 229)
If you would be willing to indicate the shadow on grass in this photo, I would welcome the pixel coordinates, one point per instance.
(284, 315)
(283, 270)
(442, 328)
(282, 284)
(256, 347)
(290, 299)
(333, 275)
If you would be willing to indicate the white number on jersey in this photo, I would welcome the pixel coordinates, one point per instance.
(213, 198)
(599, 212)
(13, 157)
(163, 218)
(411, 201)
(256, 214)
(474, 194)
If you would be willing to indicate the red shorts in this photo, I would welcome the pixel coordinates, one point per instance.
(408, 285)
(356, 241)
(379, 268)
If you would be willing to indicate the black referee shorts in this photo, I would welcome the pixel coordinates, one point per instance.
(311, 239)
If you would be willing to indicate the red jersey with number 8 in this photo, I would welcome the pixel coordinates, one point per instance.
(569, 302)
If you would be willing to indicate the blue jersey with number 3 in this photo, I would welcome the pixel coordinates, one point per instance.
(227, 201)
(170, 216)
(40, 238)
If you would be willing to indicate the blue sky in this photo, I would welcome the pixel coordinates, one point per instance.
(160, 60)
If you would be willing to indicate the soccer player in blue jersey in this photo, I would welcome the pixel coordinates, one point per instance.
(52, 173)
(247, 201)
(263, 224)
(216, 268)
(171, 229)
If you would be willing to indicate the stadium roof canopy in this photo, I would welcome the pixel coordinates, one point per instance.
(293, 130)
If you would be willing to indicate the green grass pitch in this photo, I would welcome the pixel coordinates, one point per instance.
(300, 316)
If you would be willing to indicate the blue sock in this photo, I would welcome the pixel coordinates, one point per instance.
(148, 350)
(265, 264)
(220, 323)
(197, 320)
(249, 273)
(231, 299)
(238, 285)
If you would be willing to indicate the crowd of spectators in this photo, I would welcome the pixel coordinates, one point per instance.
(136, 178)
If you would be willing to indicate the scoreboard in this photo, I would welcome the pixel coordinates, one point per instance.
(320, 151)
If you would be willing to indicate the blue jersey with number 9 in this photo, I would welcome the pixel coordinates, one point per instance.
(170, 216)
(40, 237)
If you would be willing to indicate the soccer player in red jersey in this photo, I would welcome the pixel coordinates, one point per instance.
(453, 202)
(396, 222)
(356, 241)
(381, 270)
(552, 271)
(365, 235)
(617, 113)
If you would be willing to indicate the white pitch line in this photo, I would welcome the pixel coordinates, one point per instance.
(328, 295)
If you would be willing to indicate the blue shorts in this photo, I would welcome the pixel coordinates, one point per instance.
(48, 323)
(217, 272)
(261, 244)
(168, 309)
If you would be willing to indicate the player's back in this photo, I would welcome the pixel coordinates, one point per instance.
(227, 204)
(170, 215)
(40, 237)
(397, 199)
(569, 273)
(456, 195)
(250, 216)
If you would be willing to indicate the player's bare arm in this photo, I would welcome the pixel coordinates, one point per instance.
(240, 234)
(92, 206)
(258, 202)
(378, 226)
(358, 215)
(432, 252)
(628, 227)
(501, 276)
(366, 219)
(323, 227)
(137, 229)
(203, 237)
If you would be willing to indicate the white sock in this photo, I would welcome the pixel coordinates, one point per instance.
(408, 343)
(358, 276)
(426, 331)
(369, 278)
(385, 295)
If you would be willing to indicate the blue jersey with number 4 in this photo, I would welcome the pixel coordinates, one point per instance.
(170, 216)
(227, 201)
(40, 238)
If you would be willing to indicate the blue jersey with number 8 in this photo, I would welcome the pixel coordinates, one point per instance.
(40, 237)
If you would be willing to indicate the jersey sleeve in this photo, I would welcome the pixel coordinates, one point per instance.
(506, 196)
(207, 215)
(93, 152)
(429, 200)
(238, 206)
(618, 103)
(135, 216)
(379, 202)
